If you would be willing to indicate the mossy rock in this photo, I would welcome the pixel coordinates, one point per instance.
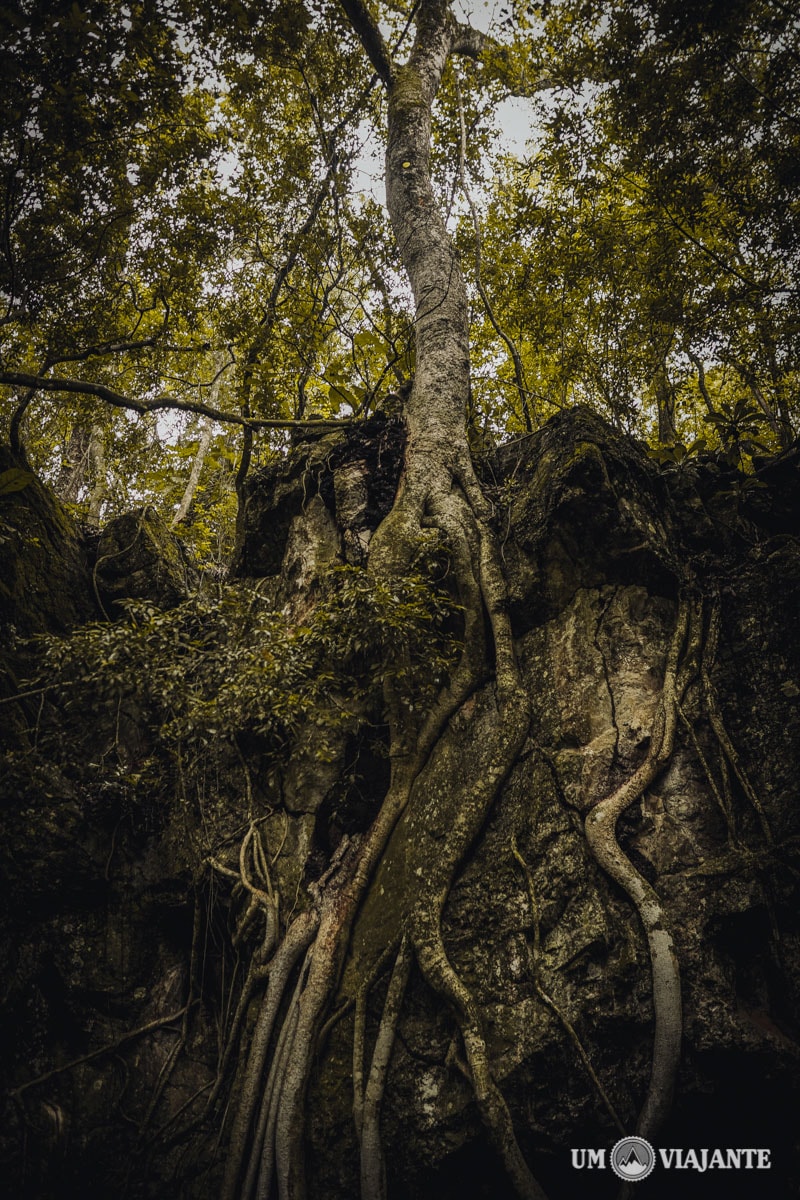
(139, 559)
(45, 582)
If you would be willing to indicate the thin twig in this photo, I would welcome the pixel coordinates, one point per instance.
(107, 1049)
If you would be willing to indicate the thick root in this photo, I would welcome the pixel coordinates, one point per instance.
(491, 768)
(297, 940)
(260, 1168)
(373, 1167)
(600, 827)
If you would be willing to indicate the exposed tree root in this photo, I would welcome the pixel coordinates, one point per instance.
(267, 1131)
(297, 940)
(359, 1038)
(109, 1048)
(600, 827)
(462, 513)
(255, 975)
(492, 764)
(265, 1156)
(556, 1009)
(373, 1168)
(259, 1170)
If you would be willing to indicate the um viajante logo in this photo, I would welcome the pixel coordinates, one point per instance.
(633, 1158)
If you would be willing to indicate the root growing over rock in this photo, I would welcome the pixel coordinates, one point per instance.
(600, 829)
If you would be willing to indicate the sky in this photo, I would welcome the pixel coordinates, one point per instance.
(514, 116)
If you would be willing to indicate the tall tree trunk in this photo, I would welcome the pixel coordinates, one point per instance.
(98, 468)
(182, 510)
(72, 473)
(207, 430)
(437, 404)
(440, 488)
(665, 404)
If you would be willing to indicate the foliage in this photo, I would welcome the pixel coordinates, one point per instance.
(677, 455)
(176, 190)
(186, 218)
(14, 480)
(654, 224)
(227, 665)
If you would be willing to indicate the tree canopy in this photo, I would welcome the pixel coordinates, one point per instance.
(187, 233)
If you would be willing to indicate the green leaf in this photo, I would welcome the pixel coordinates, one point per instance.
(14, 480)
(339, 393)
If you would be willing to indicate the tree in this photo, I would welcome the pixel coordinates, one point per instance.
(265, 300)
(440, 484)
(184, 245)
(666, 152)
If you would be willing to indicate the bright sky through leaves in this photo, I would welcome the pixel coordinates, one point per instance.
(514, 117)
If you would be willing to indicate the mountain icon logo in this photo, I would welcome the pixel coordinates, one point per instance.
(632, 1159)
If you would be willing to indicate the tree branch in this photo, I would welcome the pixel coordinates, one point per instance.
(471, 42)
(120, 347)
(117, 400)
(15, 426)
(371, 38)
(701, 379)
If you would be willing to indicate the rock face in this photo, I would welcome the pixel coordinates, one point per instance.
(45, 585)
(139, 559)
(321, 505)
(77, 860)
(599, 545)
(45, 580)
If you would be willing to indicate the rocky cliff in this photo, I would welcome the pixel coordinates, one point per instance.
(122, 973)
